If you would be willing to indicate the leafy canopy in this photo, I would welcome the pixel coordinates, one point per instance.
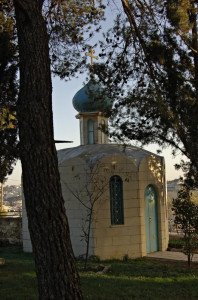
(186, 218)
(70, 25)
(8, 94)
(151, 71)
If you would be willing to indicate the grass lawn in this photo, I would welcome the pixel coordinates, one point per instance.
(133, 279)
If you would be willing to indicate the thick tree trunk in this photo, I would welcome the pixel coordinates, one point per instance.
(48, 226)
(194, 126)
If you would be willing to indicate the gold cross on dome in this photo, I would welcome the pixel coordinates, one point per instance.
(91, 55)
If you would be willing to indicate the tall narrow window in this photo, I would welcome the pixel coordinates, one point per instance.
(90, 131)
(81, 133)
(116, 200)
(102, 132)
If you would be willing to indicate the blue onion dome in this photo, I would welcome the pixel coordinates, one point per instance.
(91, 98)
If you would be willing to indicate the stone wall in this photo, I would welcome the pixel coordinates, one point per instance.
(116, 241)
(76, 181)
(10, 230)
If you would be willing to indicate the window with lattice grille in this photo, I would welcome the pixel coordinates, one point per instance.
(116, 200)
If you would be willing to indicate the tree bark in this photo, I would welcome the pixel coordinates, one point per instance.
(48, 225)
(194, 126)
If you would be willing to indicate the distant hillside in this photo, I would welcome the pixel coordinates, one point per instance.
(173, 185)
(12, 197)
(172, 188)
(12, 191)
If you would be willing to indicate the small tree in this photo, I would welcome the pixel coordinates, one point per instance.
(91, 191)
(186, 218)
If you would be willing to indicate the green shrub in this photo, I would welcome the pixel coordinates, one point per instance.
(94, 258)
(176, 243)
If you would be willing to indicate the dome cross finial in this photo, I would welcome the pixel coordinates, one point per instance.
(91, 55)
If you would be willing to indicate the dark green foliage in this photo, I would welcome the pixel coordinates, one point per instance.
(151, 71)
(176, 243)
(8, 94)
(186, 219)
(70, 25)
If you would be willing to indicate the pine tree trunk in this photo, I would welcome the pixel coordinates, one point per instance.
(48, 226)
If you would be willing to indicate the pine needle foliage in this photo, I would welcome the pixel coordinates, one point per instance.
(8, 93)
(150, 69)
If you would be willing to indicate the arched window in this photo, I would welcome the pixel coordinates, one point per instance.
(90, 131)
(116, 200)
(102, 132)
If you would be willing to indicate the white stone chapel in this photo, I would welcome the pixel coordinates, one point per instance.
(115, 195)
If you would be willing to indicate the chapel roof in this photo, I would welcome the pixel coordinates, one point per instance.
(93, 153)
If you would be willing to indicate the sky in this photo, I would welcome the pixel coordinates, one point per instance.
(66, 126)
